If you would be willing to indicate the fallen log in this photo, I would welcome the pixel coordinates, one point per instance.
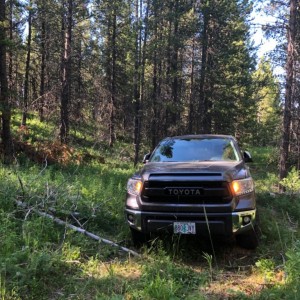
(78, 229)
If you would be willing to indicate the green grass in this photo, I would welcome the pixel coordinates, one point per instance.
(42, 260)
(279, 215)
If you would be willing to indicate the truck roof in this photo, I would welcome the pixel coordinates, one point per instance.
(201, 136)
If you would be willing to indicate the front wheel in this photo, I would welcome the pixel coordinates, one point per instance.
(248, 240)
(138, 238)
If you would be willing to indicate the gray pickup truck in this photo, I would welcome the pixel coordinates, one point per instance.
(194, 184)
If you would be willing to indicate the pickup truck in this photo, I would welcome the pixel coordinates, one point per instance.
(194, 184)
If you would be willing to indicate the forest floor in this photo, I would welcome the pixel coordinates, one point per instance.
(42, 260)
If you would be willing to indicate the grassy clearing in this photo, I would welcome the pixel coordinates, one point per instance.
(42, 260)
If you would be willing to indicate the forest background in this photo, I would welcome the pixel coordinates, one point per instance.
(86, 87)
(144, 70)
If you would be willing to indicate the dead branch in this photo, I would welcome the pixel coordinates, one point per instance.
(81, 230)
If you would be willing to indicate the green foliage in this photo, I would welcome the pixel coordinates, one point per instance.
(161, 288)
(290, 288)
(266, 267)
(34, 250)
(292, 266)
(114, 54)
(267, 98)
(209, 260)
(163, 278)
(292, 182)
(292, 273)
(42, 260)
(264, 169)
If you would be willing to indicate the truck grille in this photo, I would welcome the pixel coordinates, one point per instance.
(190, 189)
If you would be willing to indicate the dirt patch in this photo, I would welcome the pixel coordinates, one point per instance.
(230, 285)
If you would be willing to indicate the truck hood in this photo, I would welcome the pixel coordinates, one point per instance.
(219, 169)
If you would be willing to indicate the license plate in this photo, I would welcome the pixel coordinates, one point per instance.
(184, 227)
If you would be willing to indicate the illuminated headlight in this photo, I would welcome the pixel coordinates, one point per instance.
(134, 186)
(243, 186)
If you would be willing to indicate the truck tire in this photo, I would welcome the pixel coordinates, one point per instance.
(138, 238)
(248, 240)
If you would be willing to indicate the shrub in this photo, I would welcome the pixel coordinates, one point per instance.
(292, 182)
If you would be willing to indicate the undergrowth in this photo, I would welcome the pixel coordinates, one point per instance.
(42, 260)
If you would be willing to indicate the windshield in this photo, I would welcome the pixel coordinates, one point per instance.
(195, 149)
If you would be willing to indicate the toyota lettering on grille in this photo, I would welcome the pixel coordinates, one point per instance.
(184, 191)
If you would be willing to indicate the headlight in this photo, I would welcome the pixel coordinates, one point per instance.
(134, 186)
(243, 186)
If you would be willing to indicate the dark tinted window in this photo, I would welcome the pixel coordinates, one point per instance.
(183, 150)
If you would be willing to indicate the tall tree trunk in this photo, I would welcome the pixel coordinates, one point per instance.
(155, 119)
(191, 98)
(285, 141)
(4, 103)
(10, 52)
(78, 91)
(66, 72)
(175, 116)
(136, 84)
(43, 62)
(113, 78)
(142, 78)
(27, 68)
(202, 93)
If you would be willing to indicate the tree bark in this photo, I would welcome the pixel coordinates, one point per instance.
(154, 123)
(175, 116)
(143, 46)
(79, 85)
(10, 52)
(136, 84)
(27, 68)
(66, 72)
(4, 103)
(113, 80)
(43, 62)
(191, 117)
(111, 69)
(202, 93)
(289, 86)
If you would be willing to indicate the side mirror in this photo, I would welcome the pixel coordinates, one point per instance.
(146, 157)
(247, 157)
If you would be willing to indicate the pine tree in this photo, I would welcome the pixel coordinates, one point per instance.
(267, 99)
(4, 103)
(226, 65)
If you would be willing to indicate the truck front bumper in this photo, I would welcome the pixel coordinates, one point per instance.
(213, 223)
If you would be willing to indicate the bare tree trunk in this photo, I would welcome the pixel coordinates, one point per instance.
(4, 103)
(154, 123)
(26, 80)
(43, 62)
(78, 90)
(191, 100)
(113, 81)
(10, 52)
(174, 69)
(66, 73)
(136, 89)
(111, 69)
(142, 80)
(202, 93)
(285, 141)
